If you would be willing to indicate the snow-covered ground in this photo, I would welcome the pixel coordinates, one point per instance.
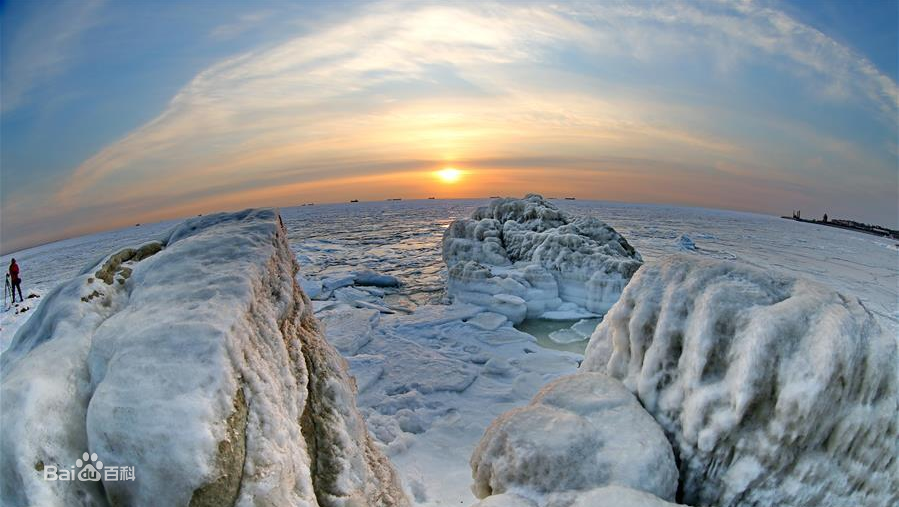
(431, 377)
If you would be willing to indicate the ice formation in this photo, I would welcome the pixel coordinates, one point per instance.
(429, 426)
(773, 390)
(526, 258)
(580, 432)
(686, 243)
(432, 378)
(197, 361)
(606, 496)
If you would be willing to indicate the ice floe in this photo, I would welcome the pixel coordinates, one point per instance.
(431, 379)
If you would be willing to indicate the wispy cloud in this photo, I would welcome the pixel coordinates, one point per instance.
(400, 87)
(241, 25)
(43, 47)
(346, 85)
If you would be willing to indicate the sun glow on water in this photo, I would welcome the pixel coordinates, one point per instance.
(449, 175)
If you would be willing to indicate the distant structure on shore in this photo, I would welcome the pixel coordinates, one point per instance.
(852, 225)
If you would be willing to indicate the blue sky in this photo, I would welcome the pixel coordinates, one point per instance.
(121, 112)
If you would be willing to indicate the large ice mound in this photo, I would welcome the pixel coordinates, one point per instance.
(580, 432)
(197, 361)
(773, 390)
(524, 258)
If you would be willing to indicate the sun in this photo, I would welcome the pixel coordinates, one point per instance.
(449, 174)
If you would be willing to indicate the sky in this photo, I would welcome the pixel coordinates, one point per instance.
(121, 112)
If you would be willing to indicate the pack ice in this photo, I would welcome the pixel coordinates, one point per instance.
(525, 258)
(772, 390)
(197, 361)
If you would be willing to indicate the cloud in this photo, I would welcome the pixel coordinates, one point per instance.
(42, 47)
(241, 25)
(346, 85)
(737, 33)
(400, 87)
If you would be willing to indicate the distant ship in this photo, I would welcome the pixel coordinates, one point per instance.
(495, 197)
(355, 200)
(430, 198)
(395, 199)
(569, 198)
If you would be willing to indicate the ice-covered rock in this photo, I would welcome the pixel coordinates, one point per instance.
(197, 362)
(773, 390)
(529, 249)
(580, 432)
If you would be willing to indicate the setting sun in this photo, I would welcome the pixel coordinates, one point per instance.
(449, 175)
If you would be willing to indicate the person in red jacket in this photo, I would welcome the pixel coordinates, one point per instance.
(16, 281)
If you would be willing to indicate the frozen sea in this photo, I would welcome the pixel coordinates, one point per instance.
(430, 382)
(402, 238)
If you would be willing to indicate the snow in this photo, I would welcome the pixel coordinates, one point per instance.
(773, 389)
(430, 382)
(525, 257)
(607, 496)
(217, 387)
(347, 328)
(431, 377)
(403, 240)
(580, 432)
